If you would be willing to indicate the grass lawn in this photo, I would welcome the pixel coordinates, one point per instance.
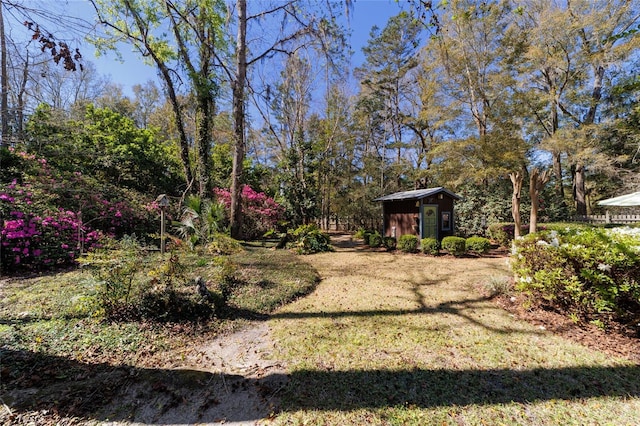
(59, 362)
(383, 338)
(408, 339)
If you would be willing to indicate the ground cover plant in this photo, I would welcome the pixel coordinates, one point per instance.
(388, 339)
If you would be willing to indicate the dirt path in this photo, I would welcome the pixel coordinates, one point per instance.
(230, 380)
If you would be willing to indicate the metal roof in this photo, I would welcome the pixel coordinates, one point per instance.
(626, 200)
(417, 194)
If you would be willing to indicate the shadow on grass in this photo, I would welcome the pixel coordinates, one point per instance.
(351, 390)
(33, 382)
(460, 308)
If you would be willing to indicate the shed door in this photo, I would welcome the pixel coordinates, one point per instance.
(430, 222)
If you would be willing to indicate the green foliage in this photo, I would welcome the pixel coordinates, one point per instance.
(375, 240)
(591, 273)
(430, 246)
(105, 145)
(477, 244)
(201, 221)
(309, 239)
(502, 232)
(362, 234)
(390, 243)
(454, 245)
(408, 243)
(133, 285)
(223, 244)
(116, 266)
(482, 205)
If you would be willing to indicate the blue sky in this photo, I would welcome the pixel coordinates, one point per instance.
(364, 15)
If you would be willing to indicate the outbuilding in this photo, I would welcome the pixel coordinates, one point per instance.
(421, 212)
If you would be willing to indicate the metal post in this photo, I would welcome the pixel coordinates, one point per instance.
(162, 246)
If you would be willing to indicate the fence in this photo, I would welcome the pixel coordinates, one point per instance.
(609, 218)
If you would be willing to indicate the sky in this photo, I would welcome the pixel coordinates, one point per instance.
(364, 15)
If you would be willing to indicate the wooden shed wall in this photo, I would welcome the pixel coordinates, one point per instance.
(401, 215)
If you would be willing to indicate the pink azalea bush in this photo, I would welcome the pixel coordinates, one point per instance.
(261, 213)
(48, 218)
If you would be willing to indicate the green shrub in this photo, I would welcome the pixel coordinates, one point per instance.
(116, 266)
(590, 273)
(375, 240)
(135, 285)
(389, 243)
(477, 244)
(408, 243)
(502, 233)
(430, 246)
(361, 233)
(224, 244)
(454, 245)
(308, 239)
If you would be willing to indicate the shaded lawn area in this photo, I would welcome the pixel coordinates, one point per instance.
(402, 339)
(59, 364)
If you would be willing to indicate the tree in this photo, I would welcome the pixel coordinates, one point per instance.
(195, 25)
(573, 51)
(537, 180)
(390, 55)
(470, 50)
(35, 20)
(296, 29)
(103, 144)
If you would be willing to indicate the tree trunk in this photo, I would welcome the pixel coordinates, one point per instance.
(579, 190)
(238, 117)
(4, 82)
(537, 181)
(579, 182)
(516, 179)
(203, 132)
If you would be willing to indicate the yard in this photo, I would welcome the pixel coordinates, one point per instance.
(385, 338)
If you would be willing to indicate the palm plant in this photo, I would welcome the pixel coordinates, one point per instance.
(201, 220)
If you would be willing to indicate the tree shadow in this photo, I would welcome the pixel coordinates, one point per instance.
(35, 382)
(457, 308)
(32, 382)
(372, 389)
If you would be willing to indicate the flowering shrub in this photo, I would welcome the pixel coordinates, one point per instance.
(34, 242)
(593, 273)
(38, 234)
(260, 212)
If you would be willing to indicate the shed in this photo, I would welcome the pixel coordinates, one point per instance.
(422, 212)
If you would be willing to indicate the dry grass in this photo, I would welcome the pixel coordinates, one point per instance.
(407, 339)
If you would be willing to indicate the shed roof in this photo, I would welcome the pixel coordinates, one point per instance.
(417, 194)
